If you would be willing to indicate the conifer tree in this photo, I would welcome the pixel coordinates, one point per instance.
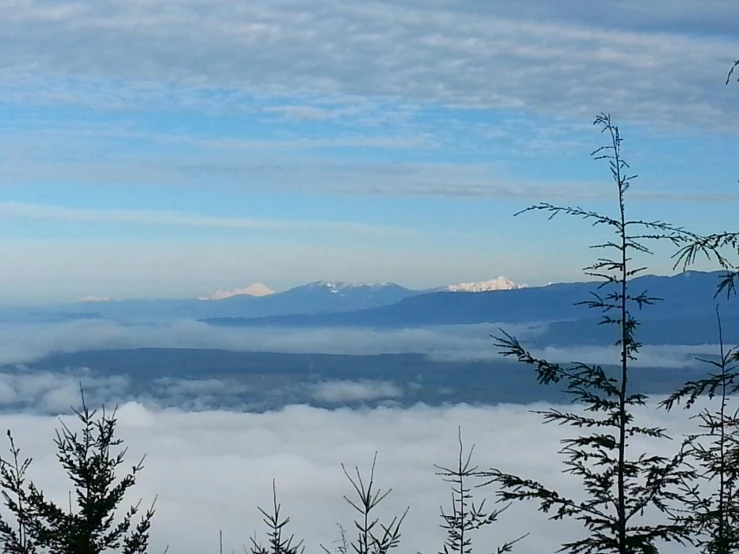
(373, 537)
(277, 542)
(620, 486)
(91, 459)
(711, 504)
(714, 516)
(466, 516)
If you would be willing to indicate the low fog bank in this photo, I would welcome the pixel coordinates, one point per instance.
(26, 343)
(194, 366)
(30, 342)
(256, 382)
(56, 392)
(211, 469)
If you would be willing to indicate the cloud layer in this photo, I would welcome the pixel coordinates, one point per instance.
(30, 342)
(317, 96)
(664, 65)
(211, 469)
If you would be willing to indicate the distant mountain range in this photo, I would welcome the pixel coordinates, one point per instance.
(251, 302)
(310, 298)
(686, 312)
(686, 315)
(258, 289)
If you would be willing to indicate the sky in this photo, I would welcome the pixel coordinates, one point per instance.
(179, 147)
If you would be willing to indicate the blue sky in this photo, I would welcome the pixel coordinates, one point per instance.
(176, 147)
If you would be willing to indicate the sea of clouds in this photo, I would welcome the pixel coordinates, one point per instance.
(210, 470)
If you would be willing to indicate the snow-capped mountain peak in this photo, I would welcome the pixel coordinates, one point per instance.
(336, 286)
(257, 289)
(499, 283)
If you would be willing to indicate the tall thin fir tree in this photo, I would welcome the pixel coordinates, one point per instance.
(619, 486)
(91, 459)
(711, 503)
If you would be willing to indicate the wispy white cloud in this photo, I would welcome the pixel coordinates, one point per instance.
(90, 154)
(302, 113)
(181, 219)
(385, 142)
(298, 112)
(665, 67)
(420, 179)
(55, 392)
(340, 392)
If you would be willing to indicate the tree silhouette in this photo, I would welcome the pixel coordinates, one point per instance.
(276, 541)
(620, 486)
(373, 537)
(465, 516)
(714, 515)
(91, 459)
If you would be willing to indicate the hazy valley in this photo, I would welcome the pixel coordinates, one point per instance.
(432, 348)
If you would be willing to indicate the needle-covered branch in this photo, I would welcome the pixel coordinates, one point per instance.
(711, 505)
